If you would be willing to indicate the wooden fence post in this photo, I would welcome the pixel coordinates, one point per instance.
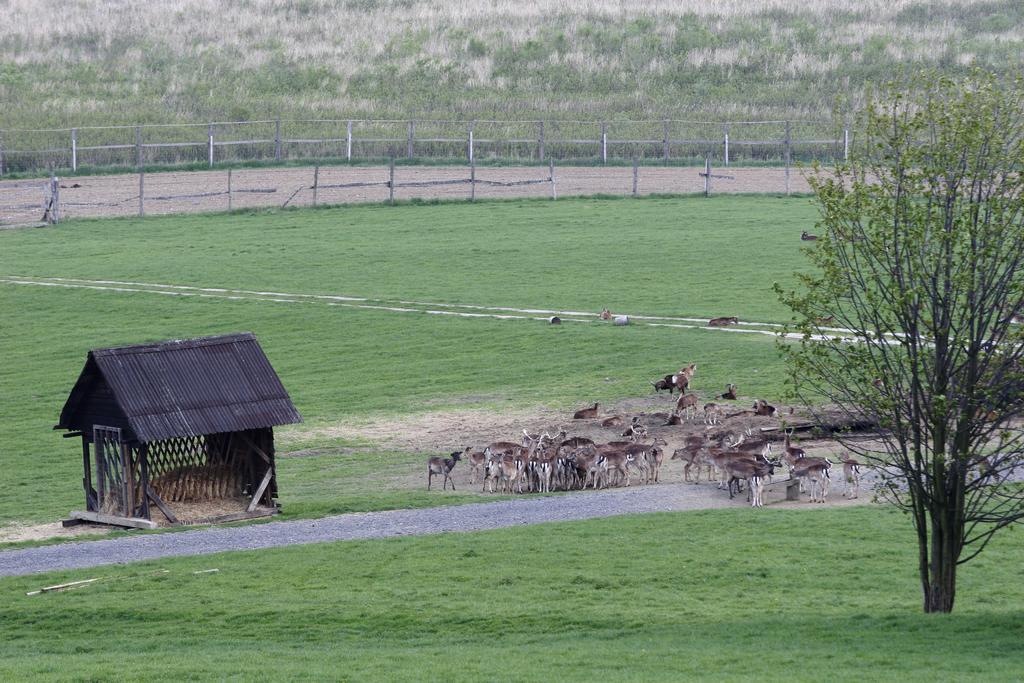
(348, 141)
(707, 176)
(788, 155)
(55, 194)
(636, 173)
(277, 140)
(469, 147)
(472, 175)
(138, 147)
(316, 181)
(229, 189)
(142, 193)
(74, 150)
(665, 141)
(209, 144)
(391, 180)
(412, 133)
(551, 169)
(846, 144)
(604, 143)
(540, 140)
(726, 155)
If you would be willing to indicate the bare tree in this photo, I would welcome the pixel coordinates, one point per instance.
(920, 258)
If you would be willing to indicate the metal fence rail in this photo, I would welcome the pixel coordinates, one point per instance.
(599, 142)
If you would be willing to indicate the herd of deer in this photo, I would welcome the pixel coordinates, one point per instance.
(542, 463)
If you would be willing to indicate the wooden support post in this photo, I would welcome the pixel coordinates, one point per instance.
(472, 177)
(209, 144)
(707, 177)
(261, 490)
(551, 168)
(127, 481)
(151, 495)
(138, 147)
(348, 141)
(540, 140)
(846, 144)
(469, 145)
(636, 173)
(788, 146)
(277, 140)
(316, 181)
(411, 136)
(604, 143)
(54, 199)
(391, 181)
(665, 142)
(142, 194)
(229, 189)
(144, 466)
(74, 150)
(726, 143)
(90, 501)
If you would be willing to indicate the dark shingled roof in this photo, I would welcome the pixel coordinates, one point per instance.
(181, 387)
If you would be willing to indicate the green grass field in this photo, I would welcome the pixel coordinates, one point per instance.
(655, 256)
(723, 595)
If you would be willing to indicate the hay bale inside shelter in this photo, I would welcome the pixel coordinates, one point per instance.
(179, 421)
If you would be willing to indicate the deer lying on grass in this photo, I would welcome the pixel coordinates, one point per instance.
(444, 466)
(851, 475)
(613, 421)
(586, 413)
(723, 321)
(730, 392)
(762, 408)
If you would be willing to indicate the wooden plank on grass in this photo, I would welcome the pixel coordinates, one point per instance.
(113, 520)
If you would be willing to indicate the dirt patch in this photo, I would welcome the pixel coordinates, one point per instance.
(15, 533)
(196, 191)
(449, 430)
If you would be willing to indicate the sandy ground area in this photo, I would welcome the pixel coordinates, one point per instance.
(207, 191)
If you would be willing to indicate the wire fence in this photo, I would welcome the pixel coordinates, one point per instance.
(147, 194)
(369, 140)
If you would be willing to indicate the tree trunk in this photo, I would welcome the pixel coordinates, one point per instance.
(939, 580)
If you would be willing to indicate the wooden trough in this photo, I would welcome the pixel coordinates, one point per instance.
(176, 424)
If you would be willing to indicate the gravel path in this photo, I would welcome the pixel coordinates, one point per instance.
(457, 518)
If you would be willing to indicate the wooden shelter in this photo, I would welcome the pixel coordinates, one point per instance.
(175, 422)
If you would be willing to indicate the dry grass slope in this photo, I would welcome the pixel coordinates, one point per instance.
(74, 63)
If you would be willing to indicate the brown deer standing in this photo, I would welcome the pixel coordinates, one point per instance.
(439, 465)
